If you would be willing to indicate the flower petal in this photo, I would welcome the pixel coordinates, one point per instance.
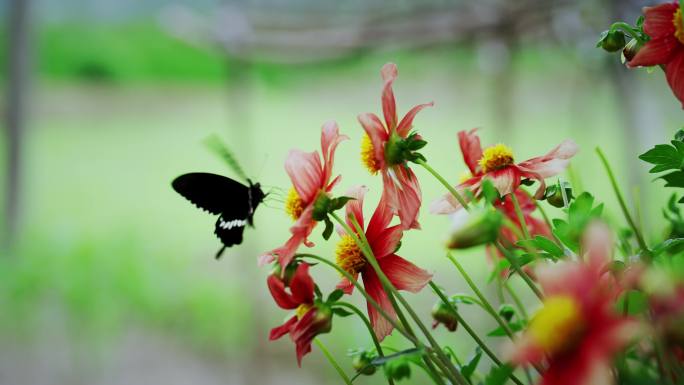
(377, 134)
(674, 71)
(471, 149)
(554, 162)
(658, 20)
(505, 180)
(380, 220)
(389, 73)
(448, 204)
(403, 274)
(654, 52)
(306, 173)
(407, 121)
(283, 329)
(409, 196)
(371, 283)
(281, 297)
(355, 207)
(386, 241)
(302, 285)
(330, 138)
(346, 286)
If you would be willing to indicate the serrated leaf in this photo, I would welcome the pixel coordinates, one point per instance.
(665, 157)
(548, 245)
(674, 179)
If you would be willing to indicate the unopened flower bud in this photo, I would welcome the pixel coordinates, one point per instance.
(612, 41)
(554, 195)
(442, 314)
(631, 50)
(322, 321)
(362, 363)
(477, 228)
(397, 369)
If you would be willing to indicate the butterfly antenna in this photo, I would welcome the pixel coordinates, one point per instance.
(220, 252)
(218, 147)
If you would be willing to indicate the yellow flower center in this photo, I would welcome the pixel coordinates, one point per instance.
(555, 327)
(302, 309)
(348, 256)
(496, 157)
(294, 204)
(679, 26)
(368, 155)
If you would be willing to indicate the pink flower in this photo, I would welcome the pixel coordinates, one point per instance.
(663, 24)
(497, 165)
(578, 331)
(401, 187)
(384, 241)
(310, 319)
(311, 178)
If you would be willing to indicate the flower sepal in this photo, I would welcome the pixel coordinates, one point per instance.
(362, 361)
(325, 205)
(400, 150)
(612, 41)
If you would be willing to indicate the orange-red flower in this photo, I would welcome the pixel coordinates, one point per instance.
(401, 187)
(310, 319)
(311, 178)
(663, 24)
(384, 241)
(578, 331)
(496, 164)
(535, 226)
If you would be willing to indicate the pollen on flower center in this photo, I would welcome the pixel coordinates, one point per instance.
(556, 325)
(294, 204)
(679, 26)
(348, 256)
(302, 310)
(496, 157)
(368, 155)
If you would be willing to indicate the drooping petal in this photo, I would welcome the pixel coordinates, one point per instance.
(302, 285)
(377, 134)
(407, 121)
(380, 220)
(306, 172)
(283, 329)
(409, 196)
(674, 71)
(654, 52)
(346, 286)
(355, 207)
(554, 162)
(330, 138)
(658, 20)
(281, 297)
(403, 274)
(371, 283)
(303, 334)
(389, 105)
(471, 149)
(386, 241)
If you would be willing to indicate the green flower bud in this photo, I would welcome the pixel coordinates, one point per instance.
(398, 369)
(362, 363)
(612, 41)
(554, 195)
(442, 314)
(479, 228)
(631, 50)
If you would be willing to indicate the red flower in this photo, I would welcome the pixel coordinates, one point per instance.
(310, 319)
(663, 24)
(310, 178)
(496, 164)
(527, 205)
(384, 241)
(401, 187)
(577, 331)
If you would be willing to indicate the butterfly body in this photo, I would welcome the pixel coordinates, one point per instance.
(233, 202)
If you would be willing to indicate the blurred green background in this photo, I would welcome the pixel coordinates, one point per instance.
(109, 277)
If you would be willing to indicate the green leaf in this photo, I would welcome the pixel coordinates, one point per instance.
(507, 311)
(665, 157)
(413, 352)
(339, 202)
(468, 369)
(489, 192)
(549, 246)
(580, 212)
(515, 326)
(667, 244)
(499, 375)
(464, 299)
(674, 179)
(335, 295)
(636, 302)
(341, 312)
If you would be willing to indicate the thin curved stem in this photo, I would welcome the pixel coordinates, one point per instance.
(332, 361)
(487, 306)
(516, 300)
(514, 263)
(627, 28)
(623, 205)
(548, 222)
(521, 216)
(470, 331)
(444, 182)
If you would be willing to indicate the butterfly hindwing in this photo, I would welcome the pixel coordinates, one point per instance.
(229, 230)
(214, 193)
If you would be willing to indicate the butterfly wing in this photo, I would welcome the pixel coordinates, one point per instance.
(216, 194)
(229, 229)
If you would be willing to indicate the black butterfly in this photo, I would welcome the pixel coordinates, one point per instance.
(231, 200)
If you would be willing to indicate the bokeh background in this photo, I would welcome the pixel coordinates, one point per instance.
(108, 277)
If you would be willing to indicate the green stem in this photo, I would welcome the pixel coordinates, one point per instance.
(623, 205)
(366, 322)
(548, 222)
(517, 301)
(521, 216)
(451, 371)
(514, 263)
(332, 361)
(446, 184)
(470, 330)
(487, 306)
(627, 28)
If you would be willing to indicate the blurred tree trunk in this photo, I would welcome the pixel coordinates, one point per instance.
(17, 71)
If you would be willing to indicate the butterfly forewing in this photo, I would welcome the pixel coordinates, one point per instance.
(214, 193)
